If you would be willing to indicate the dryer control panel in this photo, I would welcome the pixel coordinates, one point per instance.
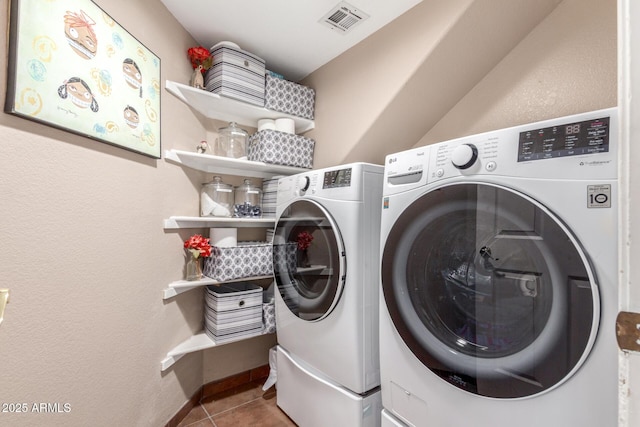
(344, 182)
(337, 178)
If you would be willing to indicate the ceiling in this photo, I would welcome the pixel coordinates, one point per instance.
(287, 34)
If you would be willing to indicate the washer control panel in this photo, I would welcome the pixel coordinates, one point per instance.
(571, 139)
(582, 146)
(571, 147)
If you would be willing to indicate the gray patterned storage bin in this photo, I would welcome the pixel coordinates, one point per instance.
(280, 148)
(289, 97)
(285, 255)
(237, 74)
(239, 261)
(268, 317)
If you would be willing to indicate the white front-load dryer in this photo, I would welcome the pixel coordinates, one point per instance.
(326, 249)
(498, 273)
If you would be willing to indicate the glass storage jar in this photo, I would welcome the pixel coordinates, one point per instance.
(248, 201)
(216, 198)
(232, 142)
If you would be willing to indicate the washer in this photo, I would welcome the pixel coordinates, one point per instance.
(499, 278)
(326, 253)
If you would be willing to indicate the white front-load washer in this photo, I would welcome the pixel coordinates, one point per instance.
(499, 278)
(326, 250)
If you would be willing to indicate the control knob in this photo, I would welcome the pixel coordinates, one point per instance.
(303, 183)
(464, 156)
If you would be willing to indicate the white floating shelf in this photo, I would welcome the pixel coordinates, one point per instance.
(218, 107)
(229, 166)
(200, 341)
(181, 286)
(175, 222)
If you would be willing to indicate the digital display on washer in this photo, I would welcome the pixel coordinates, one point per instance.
(337, 178)
(574, 139)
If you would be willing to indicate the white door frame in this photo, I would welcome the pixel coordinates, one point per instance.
(629, 162)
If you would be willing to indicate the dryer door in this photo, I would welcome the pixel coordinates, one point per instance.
(308, 260)
(490, 290)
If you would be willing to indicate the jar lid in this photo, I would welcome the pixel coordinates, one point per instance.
(218, 184)
(233, 130)
(247, 186)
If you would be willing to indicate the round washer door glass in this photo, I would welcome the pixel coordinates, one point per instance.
(490, 290)
(308, 260)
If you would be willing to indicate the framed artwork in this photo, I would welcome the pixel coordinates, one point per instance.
(71, 66)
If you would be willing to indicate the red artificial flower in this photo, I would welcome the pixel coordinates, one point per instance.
(200, 56)
(304, 240)
(198, 246)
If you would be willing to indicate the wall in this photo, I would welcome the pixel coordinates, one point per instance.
(388, 91)
(86, 259)
(566, 65)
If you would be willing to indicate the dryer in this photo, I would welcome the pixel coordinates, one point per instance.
(499, 278)
(326, 251)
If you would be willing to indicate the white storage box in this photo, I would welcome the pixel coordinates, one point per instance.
(246, 260)
(237, 74)
(233, 310)
(289, 97)
(280, 148)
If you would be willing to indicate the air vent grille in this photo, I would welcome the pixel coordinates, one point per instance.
(338, 16)
(343, 17)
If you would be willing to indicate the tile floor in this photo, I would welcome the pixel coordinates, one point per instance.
(243, 405)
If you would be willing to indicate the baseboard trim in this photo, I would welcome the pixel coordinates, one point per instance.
(216, 387)
(186, 408)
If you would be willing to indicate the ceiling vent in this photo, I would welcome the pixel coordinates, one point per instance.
(343, 17)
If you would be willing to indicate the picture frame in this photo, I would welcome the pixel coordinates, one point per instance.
(73, 67)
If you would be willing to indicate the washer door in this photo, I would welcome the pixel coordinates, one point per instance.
(490, 290)
(308, 260)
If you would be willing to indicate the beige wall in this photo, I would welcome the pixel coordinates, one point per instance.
(355, 88)
(448, 69)
(566, 65)
(388, 91)
(86, 259)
